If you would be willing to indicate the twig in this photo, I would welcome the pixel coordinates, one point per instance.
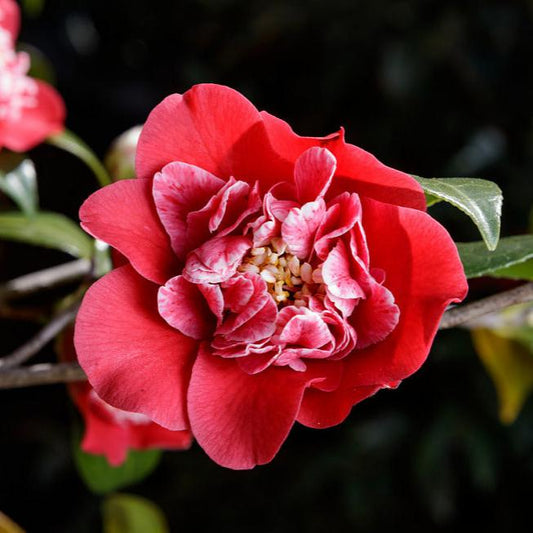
(45, 279)
(45, 335)
(41, 375)
(67, 372)
(465, 313)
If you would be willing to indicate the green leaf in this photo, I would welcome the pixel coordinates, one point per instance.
(481, 200)
(51, 230)
(18, 180)
(71, 143)
(126, 513)
(511, 251)
(102, 478)
(518, 271)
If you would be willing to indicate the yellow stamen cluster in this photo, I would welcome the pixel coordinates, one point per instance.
(288, 280)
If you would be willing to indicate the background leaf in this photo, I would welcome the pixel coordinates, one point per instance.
(18, 180)
(102, 478)
(481, 200)
(51, 230)
(8, 526)
(71, 143)
(511, 251)
(126, 513)
(510, 365)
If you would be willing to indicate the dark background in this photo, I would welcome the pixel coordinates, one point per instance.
(433, 88)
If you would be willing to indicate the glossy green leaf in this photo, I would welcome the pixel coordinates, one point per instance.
(102, 478)
(18, 180)
(481, 200)
(51, 230)
(511, 251)
(126, 513)
(71, 143)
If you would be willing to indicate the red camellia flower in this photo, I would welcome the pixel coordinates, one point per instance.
(272, 278)
(113, 432)
(30, 110)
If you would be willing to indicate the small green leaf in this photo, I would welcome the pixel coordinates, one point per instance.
(126, 513)
(102, 478)
(71, 143)
(18, 180)
(481, 200)
(51, 230)
(511, 251)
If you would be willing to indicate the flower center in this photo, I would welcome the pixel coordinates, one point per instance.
(288, 280)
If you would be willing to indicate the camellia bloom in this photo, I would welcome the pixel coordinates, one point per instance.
(30, 110)
(113, 432)
(272, 278)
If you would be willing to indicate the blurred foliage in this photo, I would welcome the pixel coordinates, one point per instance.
(125, 513)
(509, 361)
(102, 478)
(433, 88)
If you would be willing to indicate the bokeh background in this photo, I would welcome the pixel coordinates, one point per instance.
(433, 88)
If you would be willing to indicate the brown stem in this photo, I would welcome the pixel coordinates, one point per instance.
(45, 279)
(45, 335)
(41, 375)
(465, 313)
(67, 372)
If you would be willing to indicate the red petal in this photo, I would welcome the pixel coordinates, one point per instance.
(299, 228)
(10, 17)
(35, 123)
(202, 128)
(178, 190)
(123, 215)
(133, 359)
(321, 410)
(183, 306)
(313, 173)
(216, 260)
(357, 170)
(239, 419)
(424, 274)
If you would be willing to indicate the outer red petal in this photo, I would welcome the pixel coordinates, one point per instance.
(357, 170)
(133, 359)
(104, 436)
(10, 17)
(321, 410)
(123, 214)
(424, 273)
(239, 419)
(35, 123)
(201, 128)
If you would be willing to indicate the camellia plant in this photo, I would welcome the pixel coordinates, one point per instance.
(236, 278)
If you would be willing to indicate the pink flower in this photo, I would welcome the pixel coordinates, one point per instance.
(30, 110)
(272, 278)
(113, 432)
